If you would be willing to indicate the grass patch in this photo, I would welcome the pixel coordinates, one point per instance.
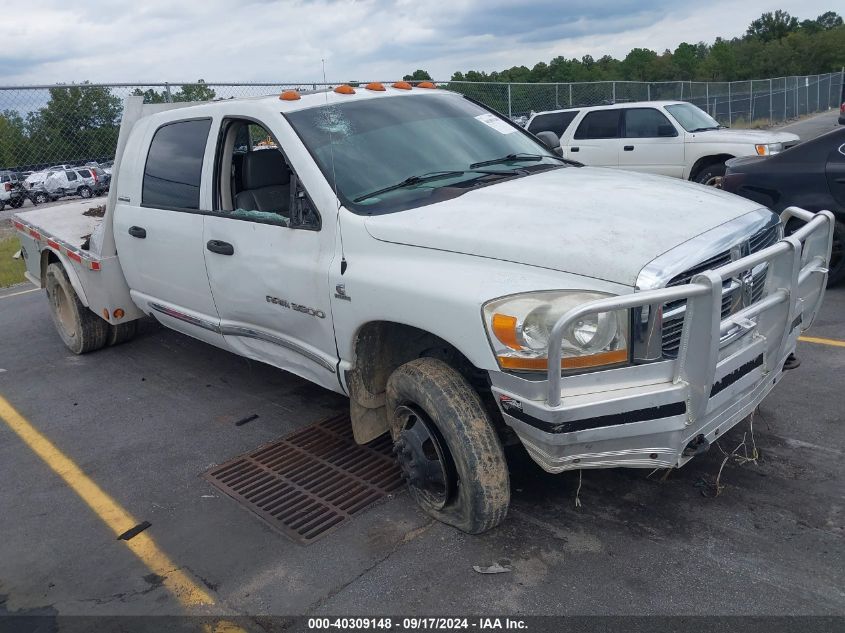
(11, 270)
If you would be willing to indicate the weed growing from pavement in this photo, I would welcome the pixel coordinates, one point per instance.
(11, 270)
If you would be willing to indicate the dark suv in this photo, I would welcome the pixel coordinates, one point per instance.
(12, 191)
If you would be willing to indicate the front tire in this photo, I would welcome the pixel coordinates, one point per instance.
(711, 175)
(41, 198)
(80, 329)
(447, 447)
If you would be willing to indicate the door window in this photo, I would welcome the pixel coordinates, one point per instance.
(599, 124)
(71, 176)
(647, 123)
(174, 165)
(255, 181)
(556, 122)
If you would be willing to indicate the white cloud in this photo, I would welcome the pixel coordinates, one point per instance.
(226, 40)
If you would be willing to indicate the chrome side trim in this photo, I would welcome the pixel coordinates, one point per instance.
(237, 330)
(187, 318)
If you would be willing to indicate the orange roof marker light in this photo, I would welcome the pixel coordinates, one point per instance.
(345, 89)
(426, 84)
(289, 95)
(402, 85)
(375, 86)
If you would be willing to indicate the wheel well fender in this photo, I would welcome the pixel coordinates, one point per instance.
(379, 348)
(50, 256)
(706, 161)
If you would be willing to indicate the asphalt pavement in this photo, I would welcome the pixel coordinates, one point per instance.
(145, 420)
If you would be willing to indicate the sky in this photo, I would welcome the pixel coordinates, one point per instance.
(286, 41)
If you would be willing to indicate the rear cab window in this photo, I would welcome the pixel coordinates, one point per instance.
(556, 122)
(174, 165)
(599, 124)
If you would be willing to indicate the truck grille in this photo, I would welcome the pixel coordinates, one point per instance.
(673, 320)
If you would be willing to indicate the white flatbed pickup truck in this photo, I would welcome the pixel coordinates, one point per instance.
(463, 285)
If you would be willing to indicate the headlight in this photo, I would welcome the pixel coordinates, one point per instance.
(519, 327)
(768, 149)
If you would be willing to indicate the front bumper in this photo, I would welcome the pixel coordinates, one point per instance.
(651, 415)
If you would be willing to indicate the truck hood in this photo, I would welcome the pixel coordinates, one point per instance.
(594, 222)
(743, 137)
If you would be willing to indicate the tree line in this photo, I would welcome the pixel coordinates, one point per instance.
(776, 44)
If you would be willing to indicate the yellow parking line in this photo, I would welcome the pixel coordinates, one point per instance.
(188, 592)
(822, 341)
(22, 292)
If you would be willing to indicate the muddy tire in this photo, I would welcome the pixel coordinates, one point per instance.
(439, 425)
(81, 330)
(711, 175)
(121, 333)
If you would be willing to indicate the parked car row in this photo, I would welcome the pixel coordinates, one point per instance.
(62, 181)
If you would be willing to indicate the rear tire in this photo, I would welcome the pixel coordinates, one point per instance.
(80, 329)
(16, 203)
(2, 205)
(121, 333)
(460, 442)
(711, 175)
(84, 192)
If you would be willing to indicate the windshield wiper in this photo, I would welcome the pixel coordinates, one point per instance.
(429, 177)
(706, 129)
(522, 156)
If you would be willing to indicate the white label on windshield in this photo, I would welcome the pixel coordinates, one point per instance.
(496, 123)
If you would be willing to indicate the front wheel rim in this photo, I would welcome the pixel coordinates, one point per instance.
(714, 181)
(424, 458)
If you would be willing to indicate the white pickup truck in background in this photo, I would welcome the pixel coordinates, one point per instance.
(463, 285)
(671, 138)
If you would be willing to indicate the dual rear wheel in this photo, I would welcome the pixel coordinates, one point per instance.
(80, 329)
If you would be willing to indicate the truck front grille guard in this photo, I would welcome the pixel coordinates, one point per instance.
(797, 266)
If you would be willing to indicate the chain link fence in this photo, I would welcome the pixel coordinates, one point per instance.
(44, 126)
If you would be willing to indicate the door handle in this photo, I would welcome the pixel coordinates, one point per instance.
(574, 149)
(221, 248)
(628, 148)
(137, 231)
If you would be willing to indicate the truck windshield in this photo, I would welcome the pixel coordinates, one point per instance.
(397, 153)
(692, 118)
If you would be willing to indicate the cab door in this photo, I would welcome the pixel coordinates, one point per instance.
(596, 141)
(158, 228)
(651, 144)
(268, 257)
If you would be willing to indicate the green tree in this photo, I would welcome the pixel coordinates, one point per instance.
(686, 60)
(13, 140)
(195, 92)
(418, 75)
(638, 65)
(773, 26)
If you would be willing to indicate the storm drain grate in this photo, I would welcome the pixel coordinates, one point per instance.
(308, 483)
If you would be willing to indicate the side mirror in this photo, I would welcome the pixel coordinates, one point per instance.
(550, 140)
(666, 129)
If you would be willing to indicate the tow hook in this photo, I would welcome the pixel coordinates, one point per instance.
(698, 446)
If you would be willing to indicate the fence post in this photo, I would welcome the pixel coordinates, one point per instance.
(168, 97)
(614, 92)
(648, 91)
(829, 88)
(707, 95)
(570, 94)
(730, 106)
(751, 101)
(771, 105)
(557, 95)
(510, 108)
(818, 93)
